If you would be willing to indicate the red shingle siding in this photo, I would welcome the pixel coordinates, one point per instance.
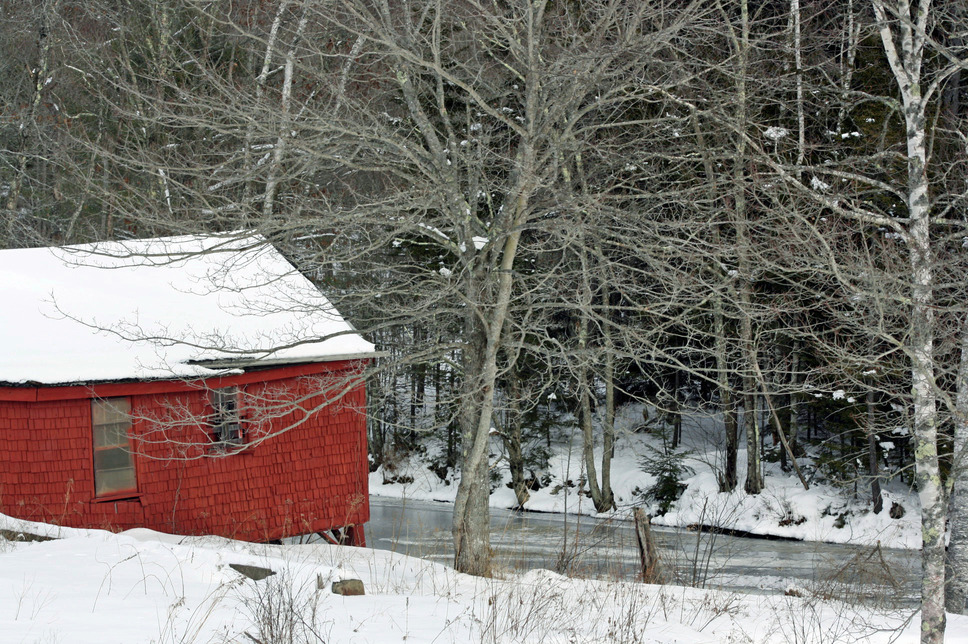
(301, 471)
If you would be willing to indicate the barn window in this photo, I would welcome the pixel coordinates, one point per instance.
(113, 460)
(226, 422)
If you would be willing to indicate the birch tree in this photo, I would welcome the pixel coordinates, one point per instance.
(903, 30)
(890, 304)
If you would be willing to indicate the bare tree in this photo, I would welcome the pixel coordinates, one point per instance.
(463, 176)
(412, 146)
(956, 599)
(878, 243)
(904, 34)
(39, 189)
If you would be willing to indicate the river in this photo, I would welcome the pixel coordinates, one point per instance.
(606, 549)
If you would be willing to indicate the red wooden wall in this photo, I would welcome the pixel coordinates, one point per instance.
(304, 467)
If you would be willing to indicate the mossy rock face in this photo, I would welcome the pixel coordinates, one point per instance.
(348, 587)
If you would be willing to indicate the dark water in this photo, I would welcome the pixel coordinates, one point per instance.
(607, 550)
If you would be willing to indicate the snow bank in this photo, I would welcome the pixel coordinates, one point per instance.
(139, 586)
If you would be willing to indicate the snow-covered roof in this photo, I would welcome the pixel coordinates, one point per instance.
(170, 307)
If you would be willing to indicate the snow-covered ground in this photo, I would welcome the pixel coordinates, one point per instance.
(91, 586)
(822, 513)
(143, 586)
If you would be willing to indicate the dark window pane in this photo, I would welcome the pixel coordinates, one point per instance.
(112, 459)
(226, 422)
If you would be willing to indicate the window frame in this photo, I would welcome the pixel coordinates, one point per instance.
(225, 419)
(108, 415)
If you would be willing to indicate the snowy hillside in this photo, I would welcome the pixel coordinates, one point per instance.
(822, 513)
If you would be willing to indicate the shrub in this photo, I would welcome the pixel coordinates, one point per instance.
(669, 467)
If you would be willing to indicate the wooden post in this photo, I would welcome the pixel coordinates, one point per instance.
(648, 553)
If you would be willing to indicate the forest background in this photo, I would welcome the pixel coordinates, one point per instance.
(537, 206)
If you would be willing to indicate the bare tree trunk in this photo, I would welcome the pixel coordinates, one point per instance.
(588, 437)
(584, 386)
(600, 494)
(471, 514)
(754, 466)
(876, 498)
(903, 36)
(608, 429)
(771, 410)
(957, 569)
(675, 409)
(285, 123)
(260, 87)
(512, 440)
(794, 399)
(471, 526)
(848, 57)
(730, 477)
(781, 410)
(754, 470)
(798, 64)
(648, 552)
(956, 600)
(926, 461)
(731, 427)
(727, 402)
(744, 264)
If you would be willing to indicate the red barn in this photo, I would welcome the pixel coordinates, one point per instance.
(192, 385)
